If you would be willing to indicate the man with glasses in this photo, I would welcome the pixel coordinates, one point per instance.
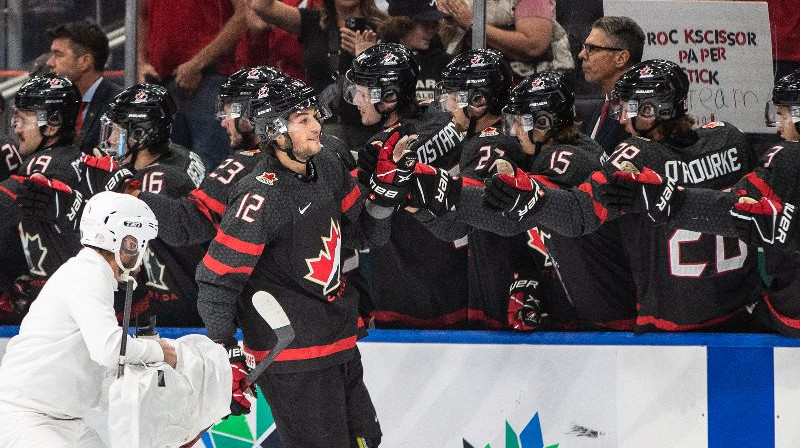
(613, 45)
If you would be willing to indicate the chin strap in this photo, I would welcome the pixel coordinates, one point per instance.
(311, 168)
(646, 132)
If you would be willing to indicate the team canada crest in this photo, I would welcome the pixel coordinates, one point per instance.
(324, 269)
(56, 82)
(646, 72)
(477, 59)
(390, 59)
(267, 178)
(252, 74)
(140, 97)
(263, 91)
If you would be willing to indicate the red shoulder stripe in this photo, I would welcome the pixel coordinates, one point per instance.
(221, 268)
(238, 245)
(351, 198)
(762, 187)
(8, 192)
(213, 204)
(470, 182)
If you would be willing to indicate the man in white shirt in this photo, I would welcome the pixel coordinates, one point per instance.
(53, 370)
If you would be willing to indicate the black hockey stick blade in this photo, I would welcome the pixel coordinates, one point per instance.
(270, 310)
(126, 319)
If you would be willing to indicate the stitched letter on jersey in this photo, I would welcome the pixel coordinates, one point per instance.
(325, 269)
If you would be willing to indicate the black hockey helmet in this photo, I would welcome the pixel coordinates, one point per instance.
(544, 100)
(655, 88)
(242, 87)
(478, 78)
(54, 98)
(786, 92)
(388, 70)
(142, 113)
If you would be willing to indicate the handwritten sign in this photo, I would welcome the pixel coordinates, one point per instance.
(724, 47)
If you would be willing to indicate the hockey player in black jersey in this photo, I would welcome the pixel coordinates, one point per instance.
(760, 208)
(9, 154)
(44, 113)
(282, 232)
(416, 280)
(474, 89)
(685, 280)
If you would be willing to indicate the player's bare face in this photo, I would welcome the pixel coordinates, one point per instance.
(26, 127)
(304, 130)
(362, 100)
(786, 127)
(229, 124)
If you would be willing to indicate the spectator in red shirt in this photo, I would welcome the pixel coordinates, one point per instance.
(190, 47)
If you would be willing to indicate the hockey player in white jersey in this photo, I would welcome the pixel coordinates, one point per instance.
(53, 370)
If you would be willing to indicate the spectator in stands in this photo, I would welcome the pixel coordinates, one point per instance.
(525, 31)
(283, 50)
(79, 51)
(612, 47)
(415, 24)
(190, 48)
(329, 38)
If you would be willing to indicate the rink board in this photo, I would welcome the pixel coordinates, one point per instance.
(611, 390)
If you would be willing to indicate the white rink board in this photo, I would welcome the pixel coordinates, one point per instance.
(435, 395)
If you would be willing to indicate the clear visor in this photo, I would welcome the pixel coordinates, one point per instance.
(633, 109)
(772, 114)
(516, 124)
(130, 253)
(450, 100)
(229, 109)
(311, 116)
(113, 138)
(24, 120)
(357, 94)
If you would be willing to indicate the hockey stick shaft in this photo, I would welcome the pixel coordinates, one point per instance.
(126, 319)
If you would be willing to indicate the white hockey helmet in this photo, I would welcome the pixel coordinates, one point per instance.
(120, 224)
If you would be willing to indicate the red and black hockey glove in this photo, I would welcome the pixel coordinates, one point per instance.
(104, 173)
(659, 196)
(368, 155)
(240, 389)
(525, 310)
(50, 201)
(767, 221)
(391, 180)
(515, 196)
(435, 189)
(14, 303)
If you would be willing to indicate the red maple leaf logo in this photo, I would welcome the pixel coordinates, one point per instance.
(253, 73)
(475, 59)
(267, 178)
(644, 71)
(536, 242)
(536, 82)
(324, 269)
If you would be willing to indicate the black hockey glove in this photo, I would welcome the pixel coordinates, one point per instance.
(659, 196)
(435, 189)
(50, 201)
(240, 389)
(390, 182)
(515, 196)
(104, 173)
(766, 221)
(15, 302)
(525, 311)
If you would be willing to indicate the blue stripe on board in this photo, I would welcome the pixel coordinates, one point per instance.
(741, 398)
(540, 338)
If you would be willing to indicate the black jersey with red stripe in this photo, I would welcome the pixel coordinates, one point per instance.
(46, 246)
(284, 234)
(776, 177)
(593, 268)
(10, 160)
(496, 261)
(417, 280)
(167, 275)
(688, 280)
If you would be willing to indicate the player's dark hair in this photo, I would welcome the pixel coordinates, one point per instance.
(625, 33)
(672, 127)
(85, 37)
(568, 135)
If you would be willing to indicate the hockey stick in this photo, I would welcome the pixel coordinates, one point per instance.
(126, 318)
(270, 310)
